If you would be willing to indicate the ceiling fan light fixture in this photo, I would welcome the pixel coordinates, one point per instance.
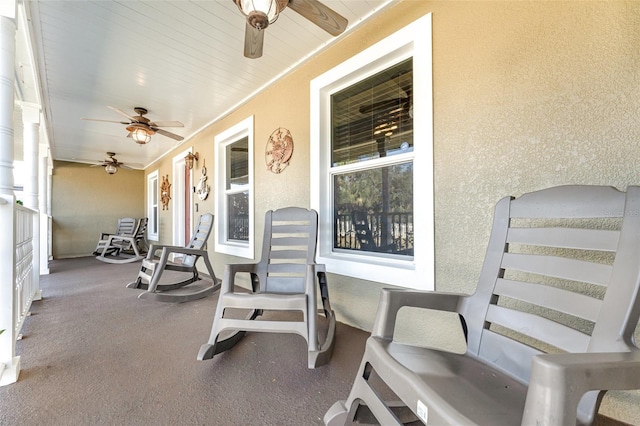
(260, 13)
(110, 169)
(140, 134)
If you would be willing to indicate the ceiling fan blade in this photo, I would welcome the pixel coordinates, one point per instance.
(128, 165)
(253, 42)
(119, 111)
(321, 15)
(106, 121)
(166, 124)
(169, 134)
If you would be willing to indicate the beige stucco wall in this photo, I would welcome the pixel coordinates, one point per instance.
(526, 95)
(86, 201)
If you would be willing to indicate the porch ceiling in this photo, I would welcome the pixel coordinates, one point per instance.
(180, 59)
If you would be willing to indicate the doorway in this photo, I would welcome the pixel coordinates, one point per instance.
(182, 189)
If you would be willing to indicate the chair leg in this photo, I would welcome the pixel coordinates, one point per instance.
(161, 292)
(363, 403)
(337, 415)
(136, 284)
(146, 271)
(173, 286)
(208, 351)
(168, 297)
(215, 346)
(321, 356)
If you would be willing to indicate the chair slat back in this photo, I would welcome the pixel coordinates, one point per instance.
(126, 226)
(561, 274)
(141, 233)
(137, 235)
(141, 228)
(289, 244)
(199, 238)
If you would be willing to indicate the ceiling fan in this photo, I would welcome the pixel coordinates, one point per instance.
(111, 164)
(261, 13)
(140, 128)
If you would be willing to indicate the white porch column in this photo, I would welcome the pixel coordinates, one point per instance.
(7, 95)
(9, 363)
(31, 156)
(43, 191)
(31, 144)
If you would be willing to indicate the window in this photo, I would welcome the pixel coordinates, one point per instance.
(152, 205)
(371, 146)
(372, 163)
(234, 181)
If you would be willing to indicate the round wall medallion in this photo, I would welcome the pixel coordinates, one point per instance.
(279, 150)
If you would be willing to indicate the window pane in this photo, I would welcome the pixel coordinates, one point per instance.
(373, 210)
(238, 216)
(154, 220)
(373, 118)
(238, 163)
(154, 191)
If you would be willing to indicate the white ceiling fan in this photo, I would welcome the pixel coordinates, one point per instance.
(140, 128)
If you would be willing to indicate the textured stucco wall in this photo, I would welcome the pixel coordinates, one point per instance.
(86, 201)
(526, 95)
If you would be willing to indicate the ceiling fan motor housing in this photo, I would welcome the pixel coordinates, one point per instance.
(258, 20)
(261, 13)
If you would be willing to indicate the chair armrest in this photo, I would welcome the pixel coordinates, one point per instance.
(315, 271)
(558, 382)
(152, 251)
(168, 249)
(119, 238)
(156, 247)
(230, 271)
(391, 300)
(183, 250)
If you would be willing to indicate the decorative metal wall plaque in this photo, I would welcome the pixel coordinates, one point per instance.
(279, 150)
(165, 192)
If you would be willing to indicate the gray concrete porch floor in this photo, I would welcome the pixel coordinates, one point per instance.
(94, 354)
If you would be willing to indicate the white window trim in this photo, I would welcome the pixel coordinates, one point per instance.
(412, 41)
(151, 177)
(222, 244)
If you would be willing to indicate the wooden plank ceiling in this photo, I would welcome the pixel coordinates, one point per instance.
(181, 59)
